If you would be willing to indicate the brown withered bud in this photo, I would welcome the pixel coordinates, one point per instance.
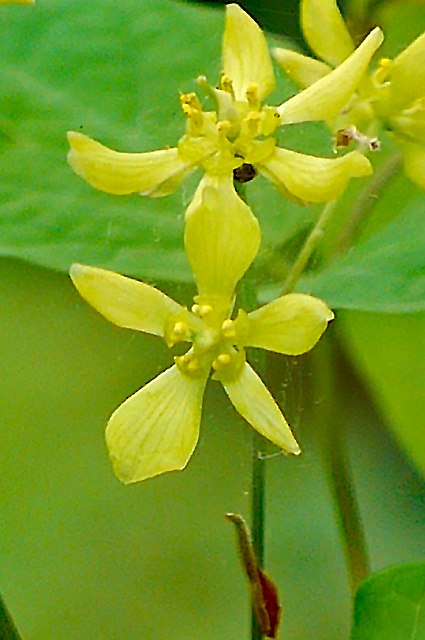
(264, 595)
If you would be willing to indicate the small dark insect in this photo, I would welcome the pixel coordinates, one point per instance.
(245, 173)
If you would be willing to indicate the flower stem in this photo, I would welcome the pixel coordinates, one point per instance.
(346, 506)
(258, 485)
(308, 248)
(8, 631)
(366, 202)
(334, 451)
(337, 463)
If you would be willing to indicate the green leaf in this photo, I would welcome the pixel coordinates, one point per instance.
(391, 605)
(115, 76)
(8, 631)
(389, 353)
(385, 273)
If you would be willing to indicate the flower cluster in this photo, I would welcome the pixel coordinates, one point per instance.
(237, 139)
(391, 97)
(156, 429)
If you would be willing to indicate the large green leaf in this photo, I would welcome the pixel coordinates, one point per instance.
(389, 353)
(386, 273)
(391, 605)
(116, 76)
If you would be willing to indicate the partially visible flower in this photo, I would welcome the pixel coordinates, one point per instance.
(238, 137)
(392, 97)
(156, 429)
(17, 1)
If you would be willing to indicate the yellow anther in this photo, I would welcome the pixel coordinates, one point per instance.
(227, 85)
(201, 310)
(383, 70)
(180, 329)
(193, 365)
(228, 329)
(221, 361)
(252, 97)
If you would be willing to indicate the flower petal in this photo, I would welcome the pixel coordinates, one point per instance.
(246, 58)
(325, 31)
(156, 429)
(222, 237)
(312, 179)
(17, 1)
(414, 160)
(302, 70)
(253, 401)
(408, 75)
(324, 99)
(126, 302)
(291, 324)
(155, 174)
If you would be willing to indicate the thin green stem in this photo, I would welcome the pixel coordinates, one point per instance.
(337, 464)
(258, 484)
(309, 247)
(8, 631)
(347, 509)
(258, 469)
(366, 201)
(338, 468)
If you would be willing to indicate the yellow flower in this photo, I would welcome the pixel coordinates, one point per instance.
(393, 96)
(17, 1)
(156, 429)
(238, 137)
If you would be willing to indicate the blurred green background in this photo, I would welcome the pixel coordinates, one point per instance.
(81, 555)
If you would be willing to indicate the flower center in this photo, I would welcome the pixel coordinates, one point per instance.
(234, 137)
(217, 343)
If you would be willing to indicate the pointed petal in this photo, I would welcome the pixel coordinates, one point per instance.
(222, 237)
(408, 75)
(414, 160)
(155, 174)
(253, 401)
(246, 58)
(302, 70)
(291, 324)
(324, 99)
(325, 31)
(312, 179)
(126, 302)
(157, 429)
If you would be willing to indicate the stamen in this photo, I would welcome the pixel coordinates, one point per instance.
(191, 107)
(221, 361)
(383, 71)
(227, 85)
(252, 97)
(202, 310)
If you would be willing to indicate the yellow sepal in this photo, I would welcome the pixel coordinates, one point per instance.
(325, 31)
(246, 58)
(414, 160)
(324, 99)
(126, 302)
(312, 179)
(222, 237)
(253, 401)
(291, 324)
(302, 70)
(408, 75)
(156, 429)
(155, 173)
